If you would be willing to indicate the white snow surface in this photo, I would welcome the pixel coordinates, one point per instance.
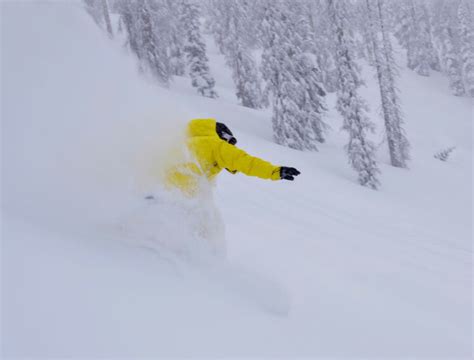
(318, 267)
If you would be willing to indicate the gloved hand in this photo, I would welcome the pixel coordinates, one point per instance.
(288, 173)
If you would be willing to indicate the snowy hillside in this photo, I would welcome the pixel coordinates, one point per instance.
(318, 267)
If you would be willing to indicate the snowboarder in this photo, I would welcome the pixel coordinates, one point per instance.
(212, 146)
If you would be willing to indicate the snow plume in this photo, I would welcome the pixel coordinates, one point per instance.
(88, 143)
(171, 225)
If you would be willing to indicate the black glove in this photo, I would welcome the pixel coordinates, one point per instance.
(288, 173)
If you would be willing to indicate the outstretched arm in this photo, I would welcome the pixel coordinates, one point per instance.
(235, 159)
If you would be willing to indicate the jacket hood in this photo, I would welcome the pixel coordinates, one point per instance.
(202, 127)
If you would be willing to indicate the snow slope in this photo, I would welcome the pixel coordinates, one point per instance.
(318, 267)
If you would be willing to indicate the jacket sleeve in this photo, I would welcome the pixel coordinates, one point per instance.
(231, 157)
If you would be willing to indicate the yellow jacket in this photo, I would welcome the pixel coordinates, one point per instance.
(210, 155)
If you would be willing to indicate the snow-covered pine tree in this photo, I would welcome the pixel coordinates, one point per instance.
(363, 24)
(234, 45)
(195, 49)
(357, 29)
(322, 45)
(128, 17)
(414, 34)
(253, 15)
(398, 144)
(447, 33)
(152, 45)
(274, 58)
(312, 102)
(405, 31)
(269, 60)
(177, 61)
(298, 14)
(443, 155)
(218, 17)
(350, 105)
(466, 32)
(217, 22)
(244, 67)
(427, 21)
(426, 54)
(308, 73)
(292, 81)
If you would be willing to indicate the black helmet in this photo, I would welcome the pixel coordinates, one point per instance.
(225, 134)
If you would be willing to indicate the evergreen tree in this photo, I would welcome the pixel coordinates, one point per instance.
(311, 101)
(434, 60)
(152, 48)
(308, 74)
(450, 46)
(466, 31)
(367, 34)
(322, 44)
(413, 31)
(195, 50)
(350, 105)
(177, 61)
(234, 45)
(128, 15)
(245, 76)
(218, 22)
(253, 14)
(386, 73)
(292, 81)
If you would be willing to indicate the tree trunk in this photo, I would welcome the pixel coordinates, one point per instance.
(108, 24)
